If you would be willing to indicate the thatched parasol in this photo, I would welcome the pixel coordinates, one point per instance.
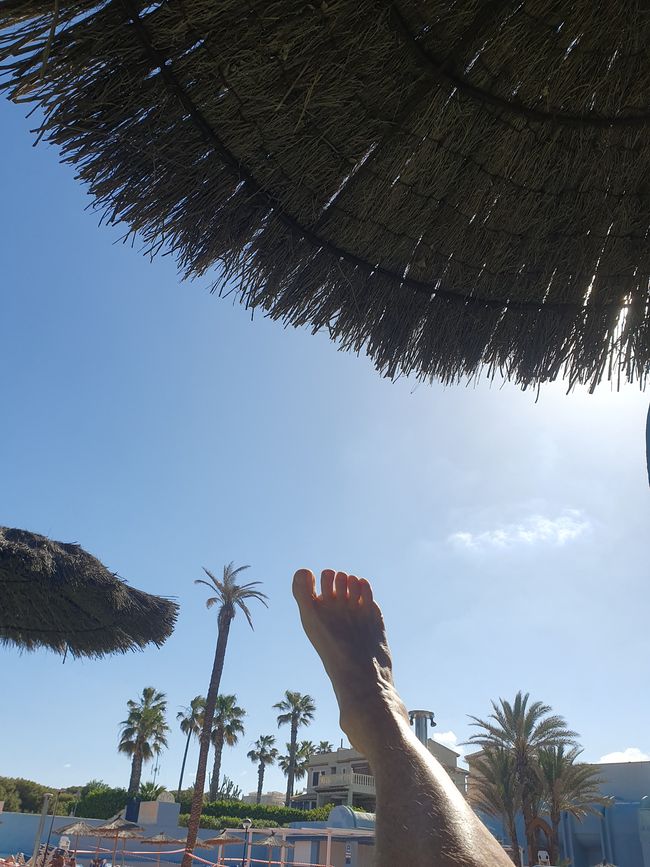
(56, 595)
(162, 839)
(119, 829)
(76, 830)
(221, 840)
(272, 841)
(449, 186)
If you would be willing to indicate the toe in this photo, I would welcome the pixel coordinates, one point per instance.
(353, 589)
(365, 593)
(341, 586)
(304, 586)
(327, 583)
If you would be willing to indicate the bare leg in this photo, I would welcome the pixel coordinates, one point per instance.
(422, 818)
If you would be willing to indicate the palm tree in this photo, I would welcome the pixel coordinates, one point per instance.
(144, 732)
(304, 751)
(226, 728)
(150, 791)
(568, 785)
(191, 720)
(295, 710)
(229, 597)
(325, 747)
(265, 754)
(494, 790)
(523, 731)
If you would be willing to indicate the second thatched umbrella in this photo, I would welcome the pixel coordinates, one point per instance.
(76, 830)
(272, 841)
(56, 595)
(223, 839)
(119, 829)
(162, 839)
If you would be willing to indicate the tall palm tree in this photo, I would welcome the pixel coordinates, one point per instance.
(144, 732)
(295, 710)
(523, 730)
(494, 789)
(264, 753)
(304, 751)
(226, 728)
(325, 747)
(568, 785)
(191, 720)
(229, 596)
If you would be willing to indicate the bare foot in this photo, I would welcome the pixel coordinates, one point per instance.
(346, 627)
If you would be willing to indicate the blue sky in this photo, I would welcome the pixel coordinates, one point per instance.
(164, 430)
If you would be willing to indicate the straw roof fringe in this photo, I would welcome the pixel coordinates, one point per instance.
(56, 595)
(449, 187)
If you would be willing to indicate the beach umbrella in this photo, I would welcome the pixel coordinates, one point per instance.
(119, 829)
(56, 595)
(223, 839)
(459, 187)
(162, 839)
(272, 841)
(76, 830)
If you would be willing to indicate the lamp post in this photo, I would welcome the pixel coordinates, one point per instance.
(247, 827)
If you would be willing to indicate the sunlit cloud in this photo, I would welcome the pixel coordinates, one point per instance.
(449, 739)
(535, 530)
(630, 754)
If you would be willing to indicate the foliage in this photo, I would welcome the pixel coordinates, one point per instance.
(144, 732)
(228, 791)
(191, 722)
(325, 747)
(304, 751)
(150, 791)
(495, 790)
(227, 725)
(281, 815)
(296, 710)
(9, 794)
(218, 823)
(523, 729)
(230, 596)
(93, 786)
(101, 803)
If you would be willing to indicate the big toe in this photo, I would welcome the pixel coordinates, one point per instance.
(304, 586)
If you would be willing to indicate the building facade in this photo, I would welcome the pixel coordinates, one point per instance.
(344, 778)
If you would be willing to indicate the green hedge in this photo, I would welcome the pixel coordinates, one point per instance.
(281, 815)
(217, 823)
(101, 804)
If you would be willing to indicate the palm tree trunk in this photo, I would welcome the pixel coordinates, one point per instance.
(136, 774)
(555, 838)
(531, 833)
(180, 782)
(204, 740)
(292, 763)
(514, 839)
(260, 782)
(216, 770)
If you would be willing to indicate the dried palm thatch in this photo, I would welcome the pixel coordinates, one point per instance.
(449, 186)
(56, 595)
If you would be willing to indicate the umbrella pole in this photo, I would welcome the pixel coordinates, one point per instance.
(114, 851)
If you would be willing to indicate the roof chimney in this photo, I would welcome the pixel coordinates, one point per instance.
(421, 719)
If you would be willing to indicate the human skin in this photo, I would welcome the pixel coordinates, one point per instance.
(422, 818)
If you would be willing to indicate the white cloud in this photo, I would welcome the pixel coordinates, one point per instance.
(67, 765)
(630, 754)
(537, 529)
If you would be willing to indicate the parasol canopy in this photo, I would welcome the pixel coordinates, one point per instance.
(450, 187)
(272, 840)
(77, 829)
(56, 595)
(223, 839)
(162, 839)
(120, 828)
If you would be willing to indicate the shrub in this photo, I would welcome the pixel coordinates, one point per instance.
(101, 804)
(281, 815)
(218, 823)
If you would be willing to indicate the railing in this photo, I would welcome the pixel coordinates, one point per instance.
(346, 781)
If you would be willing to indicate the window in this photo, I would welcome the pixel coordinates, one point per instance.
(314, 779)
(332, 770)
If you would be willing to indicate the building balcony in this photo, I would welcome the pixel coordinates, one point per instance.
(362, 784)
